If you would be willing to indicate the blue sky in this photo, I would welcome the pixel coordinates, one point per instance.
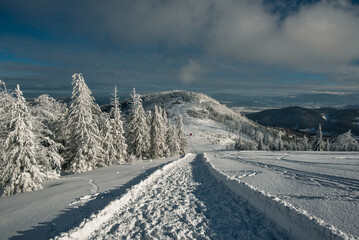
(248, 47)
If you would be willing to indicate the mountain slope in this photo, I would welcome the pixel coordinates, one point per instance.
(334, 121)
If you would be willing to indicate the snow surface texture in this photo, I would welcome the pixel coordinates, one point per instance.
(322, 186)
(63, 203)
(180, 201)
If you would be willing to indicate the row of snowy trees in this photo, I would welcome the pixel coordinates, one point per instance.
(42, 138)
(255, 139)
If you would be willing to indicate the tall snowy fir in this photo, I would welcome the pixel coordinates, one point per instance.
(182, 139)
(84, 140)
(157, 134)
(109, 152)
(20, 171)
(165, 122)
(47, 112)
(148, 117)
(305, 143)
(6, 100)
(138, 139)
(117, 131)
(318, 144)
(172, 140)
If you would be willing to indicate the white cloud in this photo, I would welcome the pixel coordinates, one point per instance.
(190, 72)
(317, 35)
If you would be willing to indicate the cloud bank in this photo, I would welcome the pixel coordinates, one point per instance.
(314, 36)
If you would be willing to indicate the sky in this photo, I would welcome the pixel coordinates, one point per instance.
(245, 47)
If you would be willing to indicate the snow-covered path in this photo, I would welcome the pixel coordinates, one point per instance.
(180, 201)
(65, 202)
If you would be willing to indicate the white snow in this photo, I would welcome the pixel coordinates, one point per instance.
(61, 204)
(212, 193)
(180, 201)
(323, 192)
(325, 116)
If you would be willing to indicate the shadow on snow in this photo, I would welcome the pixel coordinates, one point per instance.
(72, 217)
(229, 217)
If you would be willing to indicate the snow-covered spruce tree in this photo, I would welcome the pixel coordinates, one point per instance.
(20, 171)
(137, 135)
(182, 139)
(109, 153)
(84, 149)
(172, 140)
(345, 142)
(116, 123)
(6, 100)
(157, 134)
(327, 145)
(164, 120)
(47, 112)
(148, 117)
(318, 144)
(304, 142)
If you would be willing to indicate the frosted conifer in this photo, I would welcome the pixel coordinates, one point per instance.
(84, 140)
(148, 117)
(48, 112)
(182, 139)
(345, 142)
(172, 140)
(138, 138)
(20, 171)
(119, 141)
(164, 129)
(6, 100)
(158, 144)
(305, 143)
(318, 144)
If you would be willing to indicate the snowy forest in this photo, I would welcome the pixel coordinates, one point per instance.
(47, 138)
(281, 141)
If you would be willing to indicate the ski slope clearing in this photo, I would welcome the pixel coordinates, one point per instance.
(180, 201)
(63, 203)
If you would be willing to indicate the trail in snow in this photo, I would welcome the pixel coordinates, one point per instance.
(180, 201)
(317, 178)
(329, 197)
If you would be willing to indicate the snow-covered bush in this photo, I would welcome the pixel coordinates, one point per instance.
(345, 142)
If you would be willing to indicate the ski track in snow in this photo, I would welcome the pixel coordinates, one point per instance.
(316, 178)
(180, 201)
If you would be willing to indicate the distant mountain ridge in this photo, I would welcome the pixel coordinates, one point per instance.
(334, 121)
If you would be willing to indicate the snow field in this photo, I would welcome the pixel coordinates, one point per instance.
(323, 186)
(299, 223)
(93, 224)
(65, 202)
(180, 201)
